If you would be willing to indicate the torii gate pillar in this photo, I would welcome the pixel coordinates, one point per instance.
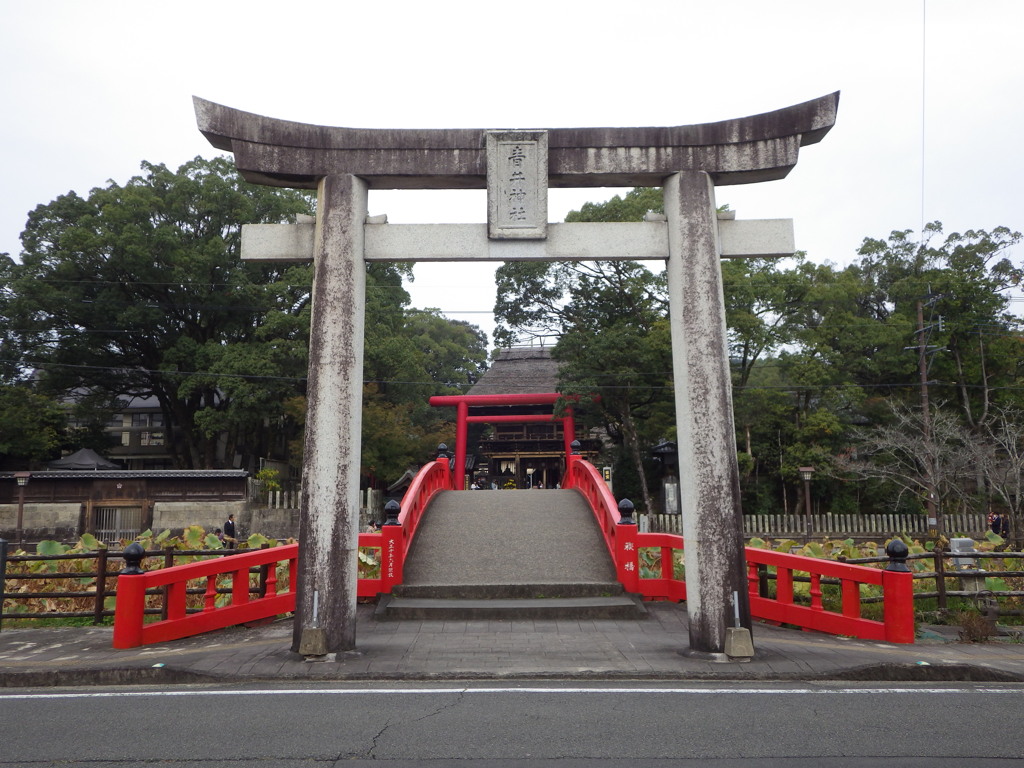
(329, 519)
(689, 161)
(708, 477)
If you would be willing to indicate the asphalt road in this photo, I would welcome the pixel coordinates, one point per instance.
(477, 724)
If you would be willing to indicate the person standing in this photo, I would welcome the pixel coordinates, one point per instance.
(229, 532)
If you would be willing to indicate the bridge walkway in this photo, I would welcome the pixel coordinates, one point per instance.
(514, 553)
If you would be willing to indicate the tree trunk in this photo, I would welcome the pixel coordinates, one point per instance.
(633, 444)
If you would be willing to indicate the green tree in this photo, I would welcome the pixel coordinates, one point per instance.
(816, 352)
(863, 337)
(427, 354)
(453, 353)
(536, 299)
(138, 290)
(32, 427)
(632, 207)
(422, 354)
(622, 367)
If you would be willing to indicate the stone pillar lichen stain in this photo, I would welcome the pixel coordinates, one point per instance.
(708, 468)
(329, 522)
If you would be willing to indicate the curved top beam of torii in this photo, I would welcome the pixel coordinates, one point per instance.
(739, 151)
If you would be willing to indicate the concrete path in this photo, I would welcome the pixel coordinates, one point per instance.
(648, 649)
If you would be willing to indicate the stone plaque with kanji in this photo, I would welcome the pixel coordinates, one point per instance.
(517, 185)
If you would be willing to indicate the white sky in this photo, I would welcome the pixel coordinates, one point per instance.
(930, 126)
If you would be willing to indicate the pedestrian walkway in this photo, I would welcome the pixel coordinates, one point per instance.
(602, 649)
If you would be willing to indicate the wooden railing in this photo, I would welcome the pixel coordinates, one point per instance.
(290, 497)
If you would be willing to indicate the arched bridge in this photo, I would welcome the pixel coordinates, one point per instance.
(503, 553)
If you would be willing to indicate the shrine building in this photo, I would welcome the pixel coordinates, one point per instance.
(520, 442)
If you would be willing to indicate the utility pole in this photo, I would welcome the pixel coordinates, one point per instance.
(935, 522)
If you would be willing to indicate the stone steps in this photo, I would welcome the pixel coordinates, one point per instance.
(533, 590)
(508, 555)
(510, 609)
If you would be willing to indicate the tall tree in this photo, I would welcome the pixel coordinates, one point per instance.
(138, 290)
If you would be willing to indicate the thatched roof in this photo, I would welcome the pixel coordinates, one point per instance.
(519, 371)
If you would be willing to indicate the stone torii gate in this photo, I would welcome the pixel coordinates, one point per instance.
(517, 168)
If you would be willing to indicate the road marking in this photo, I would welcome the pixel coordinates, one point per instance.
(469, 691)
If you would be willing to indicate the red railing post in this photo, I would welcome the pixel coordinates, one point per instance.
(131, 599)
(240, 586)
(130, 605)
(627, 560)
(391, 550)
(898, 594)
(898, 589)
(174, 601)
(461, 436)
(851, 598)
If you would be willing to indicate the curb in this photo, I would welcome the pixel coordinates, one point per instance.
(928, 673)
(880, 673)
(49, 678)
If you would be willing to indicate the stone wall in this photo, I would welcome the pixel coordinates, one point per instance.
(41, 521)
(178, 515)
(249, 518)
(62, 521)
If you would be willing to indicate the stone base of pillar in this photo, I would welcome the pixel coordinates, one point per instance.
(313, 642)
(739, 646)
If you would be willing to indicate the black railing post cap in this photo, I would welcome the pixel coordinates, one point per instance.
(897, 551)
(626, 512)
(442, 451)
(133, 555)
(575, 446)
(391, 509)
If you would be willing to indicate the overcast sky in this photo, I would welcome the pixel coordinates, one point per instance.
(930, 126)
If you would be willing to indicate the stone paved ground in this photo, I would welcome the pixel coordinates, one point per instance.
(651, 649)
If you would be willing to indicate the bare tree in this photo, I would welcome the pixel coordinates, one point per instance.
(1001, 458)
(897, 453)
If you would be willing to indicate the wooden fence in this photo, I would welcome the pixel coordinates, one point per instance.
(371, 500)
(833, 526)
(93, 586)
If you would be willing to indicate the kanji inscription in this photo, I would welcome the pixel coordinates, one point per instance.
(517, 184)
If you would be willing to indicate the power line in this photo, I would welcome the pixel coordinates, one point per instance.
(660, 374)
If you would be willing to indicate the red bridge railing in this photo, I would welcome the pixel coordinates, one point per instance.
(626, 543)
(131, 631)
(396, 535)
(278, 594)
(628, 547)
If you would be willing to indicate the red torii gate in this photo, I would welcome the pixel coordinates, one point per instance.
(463, 419)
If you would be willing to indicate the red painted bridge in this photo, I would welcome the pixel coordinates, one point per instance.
(805, 592)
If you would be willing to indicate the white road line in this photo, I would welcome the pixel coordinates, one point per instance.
(469, 691)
